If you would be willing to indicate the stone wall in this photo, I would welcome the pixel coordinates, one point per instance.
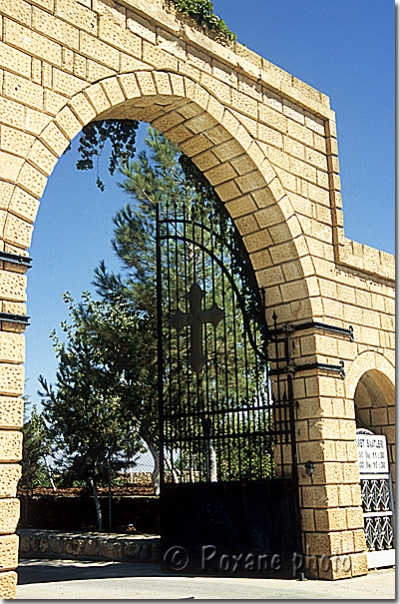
(88, 546)
(268, 144)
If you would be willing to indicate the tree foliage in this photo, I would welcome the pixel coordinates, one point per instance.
(121, 134)
(202, 11)
(87, 423)
(105, 400)
(36, 448)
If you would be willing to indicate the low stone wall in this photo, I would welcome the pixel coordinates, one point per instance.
(78, 545)
(77, 513)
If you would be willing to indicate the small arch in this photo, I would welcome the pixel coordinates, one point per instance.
(379, 368)
(370, 384)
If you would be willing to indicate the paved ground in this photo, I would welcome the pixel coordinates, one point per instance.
(73, 580)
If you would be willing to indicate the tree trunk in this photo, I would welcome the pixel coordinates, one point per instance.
(109, 508)
(109, 499)
(176, 475)
(211, 456)
(155, 453)
(155, 476)
(99, 518)
(50, 475)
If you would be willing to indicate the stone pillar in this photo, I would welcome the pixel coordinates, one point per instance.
(330, 497)
(12, 355)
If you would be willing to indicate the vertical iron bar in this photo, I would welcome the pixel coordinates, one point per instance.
(172, 416)
(160, 362)
(179, 421)
(227, 399)
(279, 436)
(238, 415)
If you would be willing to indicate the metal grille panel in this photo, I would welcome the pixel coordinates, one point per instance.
(378, 513)
(223, 418)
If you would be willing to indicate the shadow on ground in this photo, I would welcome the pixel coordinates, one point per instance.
(48, 571)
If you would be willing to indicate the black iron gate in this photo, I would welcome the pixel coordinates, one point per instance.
(228, 480)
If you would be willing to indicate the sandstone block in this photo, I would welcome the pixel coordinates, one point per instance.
(9, 515)
(77, 15)
(333, 519)
(323, 544)
(12, 348)
(220, 174)
(9, 477)
(359, 564)
(23, 91)
(8, 552)
(11, 380)
(8, 585)
(98, 51)
(163, 83)
(141, 27)
(122, 39)
(24, 205)
(307, 520)
(195, 145)
(246, 224)
(316, 496)
(222, 92)
(68, 123)
(53, 28)
(355, 518)
(12, 113)
(258, 241)
(130, 86)
(19, 10)
(335, 567)
(34, 183)
(158, 58)
(10, 445)
(11, 412)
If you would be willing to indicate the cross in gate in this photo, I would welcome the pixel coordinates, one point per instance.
(194, 319)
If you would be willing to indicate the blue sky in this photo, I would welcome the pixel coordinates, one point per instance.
(345, 48)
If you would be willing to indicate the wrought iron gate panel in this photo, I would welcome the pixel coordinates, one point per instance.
(226, 417)
(377, 501)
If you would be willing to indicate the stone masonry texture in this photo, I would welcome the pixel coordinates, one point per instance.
(268, 144)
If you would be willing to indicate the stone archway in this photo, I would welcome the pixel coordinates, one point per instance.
(374, 405)
(370, 385)
(267, 143)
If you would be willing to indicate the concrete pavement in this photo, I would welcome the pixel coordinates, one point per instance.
(80, 580)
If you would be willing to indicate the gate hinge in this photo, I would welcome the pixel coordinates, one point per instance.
(16, 259)
(290, 328)
(325, 366)
(8, 317)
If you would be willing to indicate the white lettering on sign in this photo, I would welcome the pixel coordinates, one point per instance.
(372, 454)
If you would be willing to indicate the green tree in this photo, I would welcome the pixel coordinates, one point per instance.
(86, 421)
(36, 448)
(108, 368)
(36, 451)
(163, 178)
